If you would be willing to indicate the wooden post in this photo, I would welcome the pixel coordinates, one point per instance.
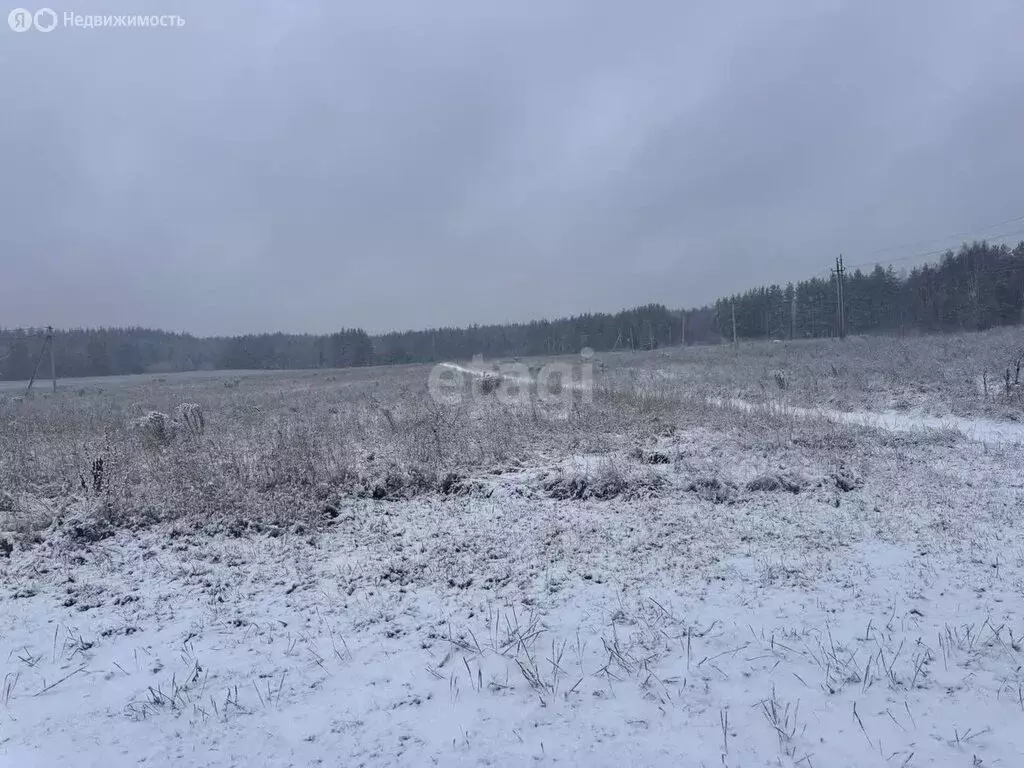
(734, 342)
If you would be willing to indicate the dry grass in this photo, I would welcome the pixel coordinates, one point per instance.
(941, 374)
(275, 447)
(277, 443)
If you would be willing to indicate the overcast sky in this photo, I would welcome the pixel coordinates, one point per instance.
(311, 164)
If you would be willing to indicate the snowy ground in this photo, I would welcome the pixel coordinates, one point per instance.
(877, 656)
(740, 588)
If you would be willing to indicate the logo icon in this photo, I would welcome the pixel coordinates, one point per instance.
(20, 20)
(45, 20)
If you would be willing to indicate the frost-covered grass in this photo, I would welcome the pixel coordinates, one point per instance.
(961, 374)
(276, 446)
(342, 572)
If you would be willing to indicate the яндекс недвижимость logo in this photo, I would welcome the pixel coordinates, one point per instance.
(22, 20)
(47, 20)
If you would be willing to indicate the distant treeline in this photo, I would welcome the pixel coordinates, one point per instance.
(979, 287)
(106, 351)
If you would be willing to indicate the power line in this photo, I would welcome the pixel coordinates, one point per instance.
(841, 270)
(925, 254)
(968, 233)
(1000, 270)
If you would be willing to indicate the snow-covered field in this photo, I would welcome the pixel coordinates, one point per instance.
(962, 375)
(342, 572)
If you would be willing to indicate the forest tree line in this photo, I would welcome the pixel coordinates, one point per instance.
(107, 351)
(978, 287)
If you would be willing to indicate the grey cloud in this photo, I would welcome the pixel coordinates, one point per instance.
(406, 164)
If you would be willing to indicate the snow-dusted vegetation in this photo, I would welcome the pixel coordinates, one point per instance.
(724, 557)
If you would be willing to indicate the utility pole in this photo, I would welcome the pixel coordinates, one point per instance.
(839, 271)
(734, 342)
